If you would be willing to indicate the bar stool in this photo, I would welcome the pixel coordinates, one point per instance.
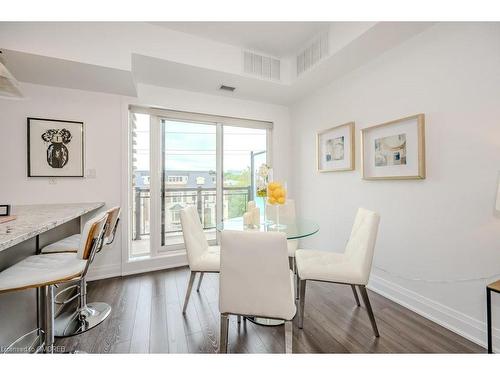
(68, 323)
(44, 271)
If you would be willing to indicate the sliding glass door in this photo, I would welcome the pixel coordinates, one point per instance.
(176, 163)
(244, 150)
(188, 177)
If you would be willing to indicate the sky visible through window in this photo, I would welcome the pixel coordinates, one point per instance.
(192, 147)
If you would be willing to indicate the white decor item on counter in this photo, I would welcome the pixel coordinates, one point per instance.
(250, 205)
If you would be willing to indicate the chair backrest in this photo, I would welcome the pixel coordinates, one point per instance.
(361, 244)
(255, 277)
(92, 236)
(287, 211)
(194, 237)
(112, 224)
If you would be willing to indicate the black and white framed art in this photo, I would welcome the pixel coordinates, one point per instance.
(55, 148)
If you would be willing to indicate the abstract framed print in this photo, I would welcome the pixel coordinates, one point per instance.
(394, 150)
(55, 148)
(335, 149)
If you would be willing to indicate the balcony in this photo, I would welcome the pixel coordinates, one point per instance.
(175, 199)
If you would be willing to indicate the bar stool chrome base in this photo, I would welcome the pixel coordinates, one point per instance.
(84, 319)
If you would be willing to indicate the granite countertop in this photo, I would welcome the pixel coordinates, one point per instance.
(38, 218)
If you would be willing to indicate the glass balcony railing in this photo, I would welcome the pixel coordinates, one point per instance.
(235, 201)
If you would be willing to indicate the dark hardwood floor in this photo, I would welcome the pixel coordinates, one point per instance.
(147, 318)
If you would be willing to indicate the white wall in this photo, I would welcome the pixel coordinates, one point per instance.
(105, 117)
(102, 117)
(441, 228)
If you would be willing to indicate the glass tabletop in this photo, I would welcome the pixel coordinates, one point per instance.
(293, 229)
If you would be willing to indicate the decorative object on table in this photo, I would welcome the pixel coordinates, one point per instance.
(4, 209)
(276, 196)
(55, 148)
(394, 150)
(251, 218)
(263, 175)
(335, 148)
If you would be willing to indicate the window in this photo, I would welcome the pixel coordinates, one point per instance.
(204, 161)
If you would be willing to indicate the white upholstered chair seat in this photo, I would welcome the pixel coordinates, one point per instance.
(38, 270)
(66, 245)
(209, 261)
(328, 266)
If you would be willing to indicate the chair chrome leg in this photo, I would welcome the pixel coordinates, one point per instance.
(49, 318)
(353, 287)
(238, 319)
(199, 281)
(188, 291)
(368, 306)
(288, 336)
(224, 325)
(302, 299)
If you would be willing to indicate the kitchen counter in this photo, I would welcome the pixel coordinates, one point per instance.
(32, 220)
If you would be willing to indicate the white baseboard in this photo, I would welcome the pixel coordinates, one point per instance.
(171, 260)
(464, 325)
(177, 259)
(104, 271)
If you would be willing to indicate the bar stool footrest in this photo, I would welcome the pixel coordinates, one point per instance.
(84, 319)
(31, 342)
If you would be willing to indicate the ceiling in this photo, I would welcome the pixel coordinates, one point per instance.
(279, 39)
(150, 67)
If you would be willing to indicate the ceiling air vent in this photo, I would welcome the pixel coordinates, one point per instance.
(312, 54)
(227, 88)
(262, 66)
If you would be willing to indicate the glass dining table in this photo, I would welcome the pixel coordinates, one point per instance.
(294, 229)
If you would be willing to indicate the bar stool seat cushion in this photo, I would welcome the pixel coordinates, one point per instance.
(327, 266)
(208, 261)
(39, 270)
(66, 245)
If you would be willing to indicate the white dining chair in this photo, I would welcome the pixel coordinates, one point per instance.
(202, 258)
(287, 214)
(352, 267)
(255, 280)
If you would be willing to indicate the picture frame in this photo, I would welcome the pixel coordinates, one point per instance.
(55, 148)
(394, 150)
(335, 148)
(4, 209)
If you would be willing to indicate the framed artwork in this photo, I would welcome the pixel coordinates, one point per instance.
(335, 148)
(55, 148)
(394, 150)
